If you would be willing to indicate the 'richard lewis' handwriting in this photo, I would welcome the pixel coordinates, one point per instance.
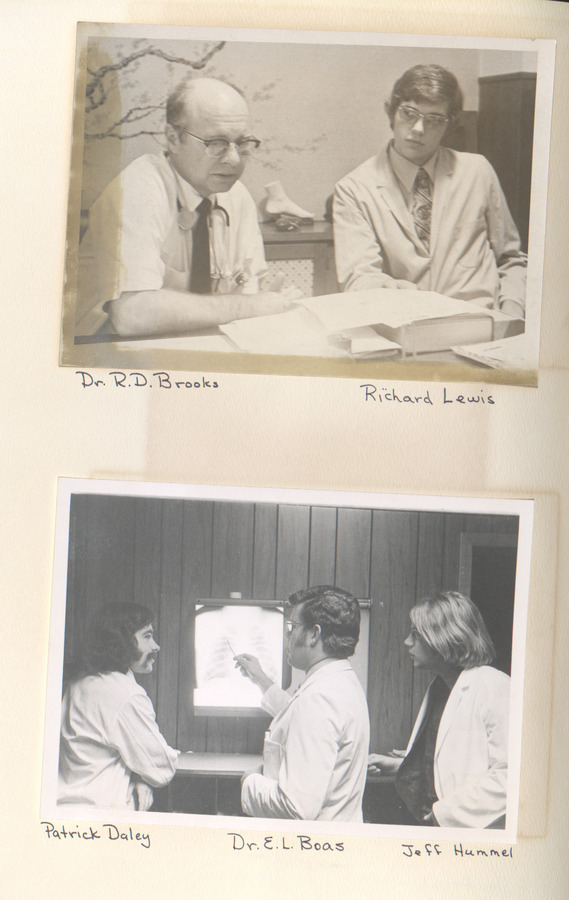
(389, 395)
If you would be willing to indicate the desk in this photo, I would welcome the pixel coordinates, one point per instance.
(218, 765)
(305, 256)
(207, 784)
(382, 804)
(279, 351)
(210, 784)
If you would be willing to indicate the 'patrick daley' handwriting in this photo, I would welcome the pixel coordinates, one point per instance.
(108, 831)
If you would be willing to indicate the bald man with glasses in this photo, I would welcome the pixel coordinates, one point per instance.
(174, 241)
(420, 215)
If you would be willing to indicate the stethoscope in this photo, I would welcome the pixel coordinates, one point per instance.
(218, 222)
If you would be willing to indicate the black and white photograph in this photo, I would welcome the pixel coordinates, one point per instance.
(288, 620)
(307, 203)
(353, 660)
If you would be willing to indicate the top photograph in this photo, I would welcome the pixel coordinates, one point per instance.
(309, 204)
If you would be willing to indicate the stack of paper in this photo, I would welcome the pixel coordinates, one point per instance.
(511, 353)
(366, 343)
(419, 321)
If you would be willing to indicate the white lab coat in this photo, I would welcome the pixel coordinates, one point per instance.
(475, 247)
(320, 740)
(471, 752)
(109, 735)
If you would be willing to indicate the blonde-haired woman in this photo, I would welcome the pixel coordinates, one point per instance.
(455, 769)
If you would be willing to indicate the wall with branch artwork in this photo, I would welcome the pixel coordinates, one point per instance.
(317, 108)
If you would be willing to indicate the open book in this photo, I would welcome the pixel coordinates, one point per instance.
(371, 324)
(299, 332)
(419, 321)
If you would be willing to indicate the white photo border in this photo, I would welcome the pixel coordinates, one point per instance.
(192, 360)
(521, 508)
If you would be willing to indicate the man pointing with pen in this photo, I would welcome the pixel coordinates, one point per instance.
(315, 754)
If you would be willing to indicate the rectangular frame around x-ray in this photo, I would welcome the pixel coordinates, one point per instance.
(289, 677)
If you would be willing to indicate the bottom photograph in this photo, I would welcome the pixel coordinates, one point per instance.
(231, 657)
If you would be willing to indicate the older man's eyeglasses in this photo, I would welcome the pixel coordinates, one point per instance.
(290, 626)
(411, 116)
(219, 147)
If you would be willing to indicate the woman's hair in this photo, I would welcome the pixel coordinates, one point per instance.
(109, 644)
(452, 626)
(429, 83)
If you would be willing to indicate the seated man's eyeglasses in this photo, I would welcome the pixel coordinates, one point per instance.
(410, 116)
(290, 626)
(219, 147)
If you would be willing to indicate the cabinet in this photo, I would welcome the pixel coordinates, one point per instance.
(505, 137)
(305, 256)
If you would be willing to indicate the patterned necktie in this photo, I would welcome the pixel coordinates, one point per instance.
(422, 206)
(200, 281)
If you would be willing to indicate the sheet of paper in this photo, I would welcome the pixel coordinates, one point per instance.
(210, 343)
(271, 759)
(295, 333)
(387, 306)
(510, 353)
(365, 341)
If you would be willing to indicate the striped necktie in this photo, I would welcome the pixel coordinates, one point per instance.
(422, 206)
(200, 281)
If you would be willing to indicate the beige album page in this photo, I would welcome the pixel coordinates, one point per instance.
(117, 470)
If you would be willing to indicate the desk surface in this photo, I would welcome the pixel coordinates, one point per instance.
(235, 764)
(319, 231)
(278, 339)
(219, 343)
(217, 763)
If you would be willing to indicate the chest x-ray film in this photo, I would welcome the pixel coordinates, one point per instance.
(221, 634)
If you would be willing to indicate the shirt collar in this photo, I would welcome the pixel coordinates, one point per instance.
(332, 665)
(406, 171)
(188, 197)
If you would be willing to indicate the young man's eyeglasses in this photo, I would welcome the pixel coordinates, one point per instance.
(411, 116)
(219, 147)
(290, 626)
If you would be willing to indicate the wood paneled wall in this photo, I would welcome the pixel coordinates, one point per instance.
(165, 553)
